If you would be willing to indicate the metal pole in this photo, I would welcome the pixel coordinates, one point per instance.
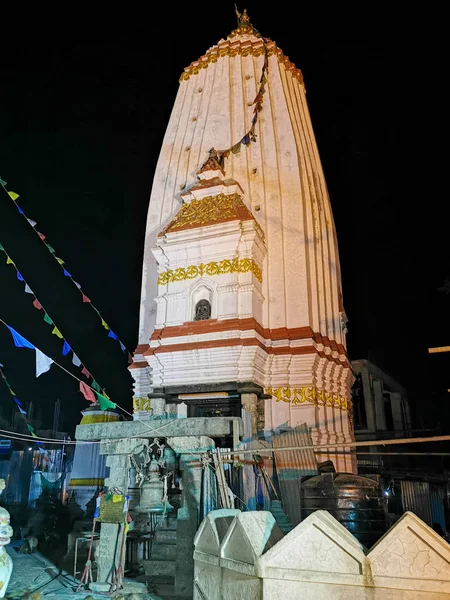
(419, 440)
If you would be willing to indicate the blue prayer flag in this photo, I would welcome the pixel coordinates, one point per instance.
(66, 348)
(19, 340)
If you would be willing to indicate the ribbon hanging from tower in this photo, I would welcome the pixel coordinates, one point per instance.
(250, 136)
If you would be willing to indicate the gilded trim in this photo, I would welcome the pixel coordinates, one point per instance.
(90, 419)
(141, 404)
(233, 50)
(86, 482)
(209, 211)
(311, 395)
(235, 265)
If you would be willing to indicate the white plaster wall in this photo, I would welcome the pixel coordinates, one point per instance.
(231, 295)
(281, 173)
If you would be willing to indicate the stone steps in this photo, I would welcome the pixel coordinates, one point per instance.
(167, 524)
(280, 516)
(164, 551)
(165, 536)
(160, 571)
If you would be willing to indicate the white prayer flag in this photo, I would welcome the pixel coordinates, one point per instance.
(76, 361)
(28, 290)
(32, 223)
(43, 362)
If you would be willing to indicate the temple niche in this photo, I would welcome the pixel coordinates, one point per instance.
(202, 310)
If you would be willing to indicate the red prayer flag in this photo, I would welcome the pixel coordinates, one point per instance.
(87, 392)
(85, 298)
(37, 304)
(85, 372)
(41, 235)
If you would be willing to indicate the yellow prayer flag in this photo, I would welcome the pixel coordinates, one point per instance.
(117, 497)
(105, 324)
(12, 393)
(106, 395)
(60, 260)
(57, 332)
(13, 195)
(127, 527)
(9, 261)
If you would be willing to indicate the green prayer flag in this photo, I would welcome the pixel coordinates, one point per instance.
(3, 183)
(96, 387)
(47, 319)
(30, 429)
(103, 402)
(52, 250)
(57, 332)
(1, 248)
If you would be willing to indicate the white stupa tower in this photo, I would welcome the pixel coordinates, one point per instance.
(241, 305)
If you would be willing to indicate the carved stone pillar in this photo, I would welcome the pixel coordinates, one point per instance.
(188, 515)
(110, 544)
(250, 419)
(250, 406)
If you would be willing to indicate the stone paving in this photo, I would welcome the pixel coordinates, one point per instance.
(35, 578)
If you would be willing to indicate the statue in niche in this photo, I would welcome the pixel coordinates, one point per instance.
(202, 310)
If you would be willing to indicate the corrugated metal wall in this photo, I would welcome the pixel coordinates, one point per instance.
(437, 498)
(291, 466)
(416, 498)
(17, 473)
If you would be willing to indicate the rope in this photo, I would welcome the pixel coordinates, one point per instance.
(87, 572)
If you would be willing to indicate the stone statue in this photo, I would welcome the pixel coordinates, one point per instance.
(202, 310)
(6, 532)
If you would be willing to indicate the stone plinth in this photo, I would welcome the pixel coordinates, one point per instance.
(250, 535)
(320, 559)
(206, 555)
(217, 427)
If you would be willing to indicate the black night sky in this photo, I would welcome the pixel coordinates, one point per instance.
(82, 118)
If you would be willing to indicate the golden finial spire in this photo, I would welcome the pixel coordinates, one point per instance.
(244, 25)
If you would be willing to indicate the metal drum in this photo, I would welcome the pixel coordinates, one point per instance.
(355, 501)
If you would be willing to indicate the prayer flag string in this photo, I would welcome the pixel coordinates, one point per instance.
(101, 396)
(61, 262)
(19, 406)
(43, 362)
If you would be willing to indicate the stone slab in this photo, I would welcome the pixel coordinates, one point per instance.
(195, 426)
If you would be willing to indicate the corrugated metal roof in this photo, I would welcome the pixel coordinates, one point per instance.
(291, 466)
(416, 498)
